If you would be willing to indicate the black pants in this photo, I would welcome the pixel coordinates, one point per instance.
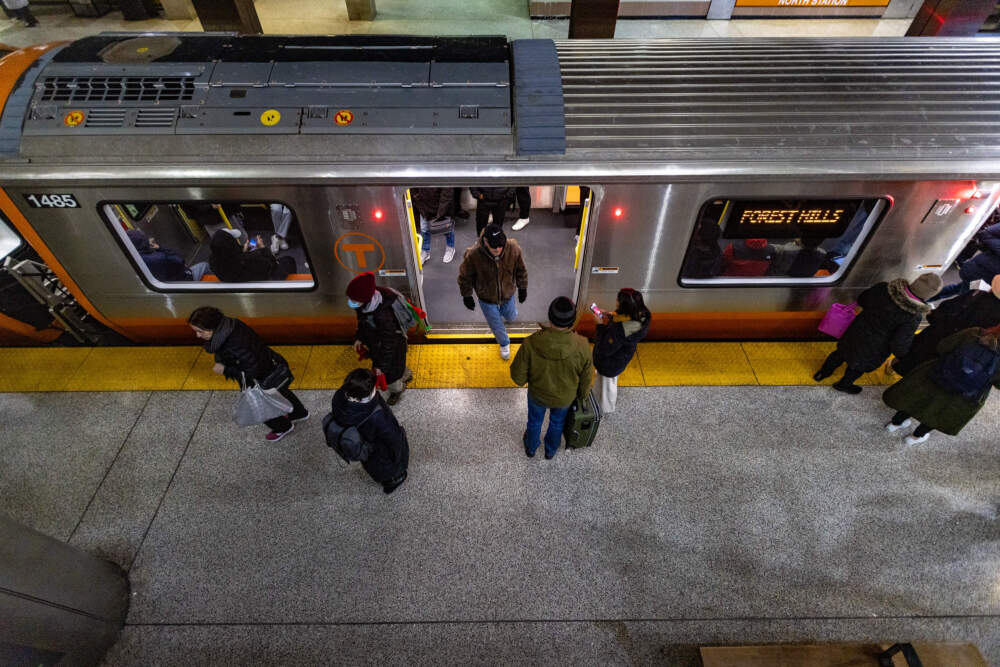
(25, 15)
(286, 265)
(283, 423)
(523, 202)
(483, 210)
(919, 432)
(833, 362)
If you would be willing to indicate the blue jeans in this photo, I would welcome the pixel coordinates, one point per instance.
(495, 315)
(955, 289)
(449, 237)
(553, 436)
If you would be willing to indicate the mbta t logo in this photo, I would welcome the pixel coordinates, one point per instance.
(359, 252)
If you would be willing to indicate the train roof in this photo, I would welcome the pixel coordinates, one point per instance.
(224, 98)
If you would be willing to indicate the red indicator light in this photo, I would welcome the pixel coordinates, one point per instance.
(971, 209)
(618, 212)
(378, 214)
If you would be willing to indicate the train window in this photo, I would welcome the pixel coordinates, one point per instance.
(213, 245)
(777, 241)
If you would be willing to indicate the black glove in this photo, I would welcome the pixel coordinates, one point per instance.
(522, 294)
(469, 303)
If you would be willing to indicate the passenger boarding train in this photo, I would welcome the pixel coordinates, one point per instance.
(743, 185)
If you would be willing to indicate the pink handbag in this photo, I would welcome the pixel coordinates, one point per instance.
(837, 319)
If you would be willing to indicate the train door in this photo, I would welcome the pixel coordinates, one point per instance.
(548, 223)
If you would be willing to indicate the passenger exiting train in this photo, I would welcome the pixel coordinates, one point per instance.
(618, 335)
(983, 266)
(380, 335)
(494, 268)
(555, 364)
(945, 393)
(242, 356)
(891, 313)
(379, 442)
(436, 209)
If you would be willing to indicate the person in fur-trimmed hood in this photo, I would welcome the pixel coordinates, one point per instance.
(890, 315)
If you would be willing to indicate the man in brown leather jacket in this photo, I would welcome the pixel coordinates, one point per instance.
(493, 269)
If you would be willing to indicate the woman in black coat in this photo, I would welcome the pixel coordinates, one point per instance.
(235, 263)
(242, 356)
(380, 332)
(618, 335)
(890, 315)
(358, 403)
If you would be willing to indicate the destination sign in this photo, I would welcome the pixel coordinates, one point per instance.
(770, 219)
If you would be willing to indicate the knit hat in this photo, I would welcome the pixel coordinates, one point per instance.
(562, 312)
(494, 236)
(926, 286)
(362, 288)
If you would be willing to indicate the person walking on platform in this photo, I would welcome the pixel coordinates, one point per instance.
(491, 202)
(386, 452)
(983, 266)
(555, 364)
(972, 309)
(379, 334)
(435, 206)
(618, 335)
(945, 393)
(242, 356)
(523, 196)
(19, 9)
(494, 268)
(891, 313)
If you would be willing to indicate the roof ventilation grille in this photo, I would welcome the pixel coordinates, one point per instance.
(118, 88)
(155, 117)
(105, 118)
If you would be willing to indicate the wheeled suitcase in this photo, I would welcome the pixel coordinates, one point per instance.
(582, 422)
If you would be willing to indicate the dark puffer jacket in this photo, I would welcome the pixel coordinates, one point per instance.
(390, 453)
(164, 264)
(493, 194)
(972, 309)
(986, 263)
(238, 347)
(615, 345)
(232, 265)
(433, 203)
(886, 325)
(380, 332)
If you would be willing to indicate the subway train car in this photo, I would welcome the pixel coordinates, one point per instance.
(743, 185)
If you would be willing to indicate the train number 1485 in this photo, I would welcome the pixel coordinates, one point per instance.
(52, 201)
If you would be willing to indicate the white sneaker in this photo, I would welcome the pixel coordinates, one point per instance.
(520, 224)
(895, 428)
(449, 254)
(505, 352)
(913, 440)
(424, 257)
(275, 244)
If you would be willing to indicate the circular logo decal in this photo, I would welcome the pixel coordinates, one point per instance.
(74, 118)
(344, 117)
(270, 117)
(359, 252)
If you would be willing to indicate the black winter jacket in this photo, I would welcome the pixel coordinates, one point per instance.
(614, 348)
(972, 309)
(238, 347)
(380, 332)
(433, 203)
(985, 264)
(493, 194)
(232, 265)
(390, 454)
(886, 325)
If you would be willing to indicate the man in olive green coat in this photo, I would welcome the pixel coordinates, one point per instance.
(555, 363)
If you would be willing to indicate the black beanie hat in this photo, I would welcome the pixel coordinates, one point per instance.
(494, 236)
(562, 312)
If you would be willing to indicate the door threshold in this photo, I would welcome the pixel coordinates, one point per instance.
(475, 332)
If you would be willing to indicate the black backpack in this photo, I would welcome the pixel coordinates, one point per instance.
(347, 441)
(968, 370)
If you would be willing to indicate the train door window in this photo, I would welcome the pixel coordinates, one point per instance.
(207, 245)
(543, 220)
(778, 241)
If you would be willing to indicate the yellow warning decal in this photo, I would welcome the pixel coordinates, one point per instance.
(74, 118)
(344, 117)
(270, 117)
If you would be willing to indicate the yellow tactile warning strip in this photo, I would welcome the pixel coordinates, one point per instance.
(434, 366)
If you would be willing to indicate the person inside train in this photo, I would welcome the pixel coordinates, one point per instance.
(380, 335)
(523, 196)
(435, 209)
(704, 257)
(802, 258)
(250, 261)
(973, 309)
(241, 356)
(494, 269)
(383, 444)
(747, 258)
(281, 220)
(555, 364)
(944, 393)
(890, 314)
(983, 266)
(618, 335)
(165, 264)
(491, 203)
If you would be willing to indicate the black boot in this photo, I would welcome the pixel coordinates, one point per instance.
(394, 483)
(847, 387)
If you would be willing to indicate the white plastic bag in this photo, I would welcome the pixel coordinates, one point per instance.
(256, 406)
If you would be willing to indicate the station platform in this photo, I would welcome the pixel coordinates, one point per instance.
(713, 511)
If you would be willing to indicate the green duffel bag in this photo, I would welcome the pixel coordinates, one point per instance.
(581, 423)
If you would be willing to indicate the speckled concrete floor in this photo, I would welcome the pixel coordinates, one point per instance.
(702, 515)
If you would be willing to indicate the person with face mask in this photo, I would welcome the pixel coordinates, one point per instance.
(494, 269)
(380, 333)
